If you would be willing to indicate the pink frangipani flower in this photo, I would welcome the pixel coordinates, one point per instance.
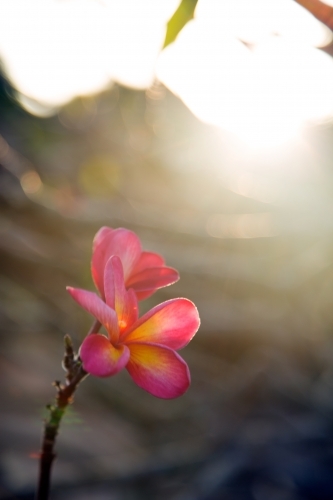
(145, 272)
(146, 346)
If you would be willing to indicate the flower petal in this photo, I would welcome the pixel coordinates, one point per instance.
(95, 306)
(99, 256)
(101, 358)
(116, 296)
(147, 281)
(158, 370)
(148, 259)
(108, 242)
(130, 313)
(104, 232)
(172, 323)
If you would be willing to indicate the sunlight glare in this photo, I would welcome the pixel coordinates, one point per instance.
(265, 95)
(253, 20)
(245, 226)
(251, 185)
(55, 50)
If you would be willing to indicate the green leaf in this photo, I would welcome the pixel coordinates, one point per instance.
(182, 16)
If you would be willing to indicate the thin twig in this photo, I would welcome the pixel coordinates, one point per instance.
(75, 374)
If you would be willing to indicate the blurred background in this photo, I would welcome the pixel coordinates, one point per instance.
(213, 140)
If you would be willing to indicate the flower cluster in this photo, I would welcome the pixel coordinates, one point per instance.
(146, 346)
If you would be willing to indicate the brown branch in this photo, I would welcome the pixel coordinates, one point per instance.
(319, 10)
(75, 374)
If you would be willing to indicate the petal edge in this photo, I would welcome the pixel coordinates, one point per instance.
(172, 323)
(101, 358)
(158, 370)
(95, 306)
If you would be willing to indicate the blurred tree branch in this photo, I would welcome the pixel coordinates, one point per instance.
(319, 10)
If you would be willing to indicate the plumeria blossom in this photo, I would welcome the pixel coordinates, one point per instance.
(146, 346)
(144, 272)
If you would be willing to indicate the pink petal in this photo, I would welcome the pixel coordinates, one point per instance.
(130, 312)
(148, 259)
(104, 232)
(144, 295)
(152, 278)
(99, 257)
(172, 323)
(95, 306)
(150, 274)
(110, 242)
(158, 370)
(109, 284)
(101, 358)
(116, 296)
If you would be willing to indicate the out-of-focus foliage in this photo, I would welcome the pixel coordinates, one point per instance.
(183, 15)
